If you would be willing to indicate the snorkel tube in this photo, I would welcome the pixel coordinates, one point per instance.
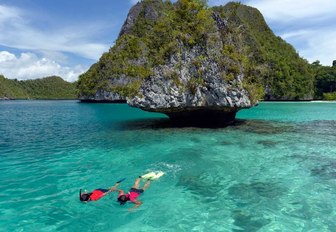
(121, 180)
(80, 194)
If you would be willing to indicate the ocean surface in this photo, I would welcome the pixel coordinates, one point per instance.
(274, 170)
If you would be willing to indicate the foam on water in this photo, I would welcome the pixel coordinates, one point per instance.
(272, 171)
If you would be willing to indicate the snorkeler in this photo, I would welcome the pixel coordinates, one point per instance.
(97, 193)
(133, 194)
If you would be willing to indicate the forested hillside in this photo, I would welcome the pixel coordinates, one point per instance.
(325, 81)
(46, 88)
(284, 74)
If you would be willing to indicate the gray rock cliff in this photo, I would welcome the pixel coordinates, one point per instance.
(210, 97)
(194, 65)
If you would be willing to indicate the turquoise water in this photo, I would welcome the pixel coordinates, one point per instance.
(274, 170)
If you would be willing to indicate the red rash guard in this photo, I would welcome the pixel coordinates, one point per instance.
(96, 195)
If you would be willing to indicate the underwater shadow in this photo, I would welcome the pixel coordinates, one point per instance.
(317, 164)
(246, 221)
(166, 123)
(325, 128)
(262, 127)
(250, 126)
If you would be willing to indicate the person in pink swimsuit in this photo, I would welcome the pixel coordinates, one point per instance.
(133, 193)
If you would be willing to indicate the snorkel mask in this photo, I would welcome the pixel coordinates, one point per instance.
(84, 197)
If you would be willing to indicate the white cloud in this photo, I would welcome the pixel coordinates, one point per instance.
(296, 34)
(308, 25)
(133, 2)
(289, 10)
(217, 2)
(30, 66)
(19, 33)
(6, 57)
(318, 44)
(8, 13)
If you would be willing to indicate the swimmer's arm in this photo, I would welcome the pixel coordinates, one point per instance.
(112, 189)
(120, 191)
(137, 204)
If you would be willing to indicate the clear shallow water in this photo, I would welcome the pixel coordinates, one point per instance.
(275, 170)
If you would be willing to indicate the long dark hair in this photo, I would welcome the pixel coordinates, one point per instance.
(123, 199)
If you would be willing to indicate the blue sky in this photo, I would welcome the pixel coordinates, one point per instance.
(65, 37)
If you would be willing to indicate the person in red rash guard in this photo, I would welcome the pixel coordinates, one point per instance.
(96, 194)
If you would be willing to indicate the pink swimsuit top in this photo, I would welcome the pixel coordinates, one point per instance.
(131, 195)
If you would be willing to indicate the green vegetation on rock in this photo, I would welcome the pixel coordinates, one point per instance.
(161, 30)
(325, 81)
(329, 96)
(150, 42)
(274, 64)
(45, 88)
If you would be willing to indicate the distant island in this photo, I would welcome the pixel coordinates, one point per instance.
(46, 88)
(194, 62)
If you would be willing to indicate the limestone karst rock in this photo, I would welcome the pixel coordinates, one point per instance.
(192, 62)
